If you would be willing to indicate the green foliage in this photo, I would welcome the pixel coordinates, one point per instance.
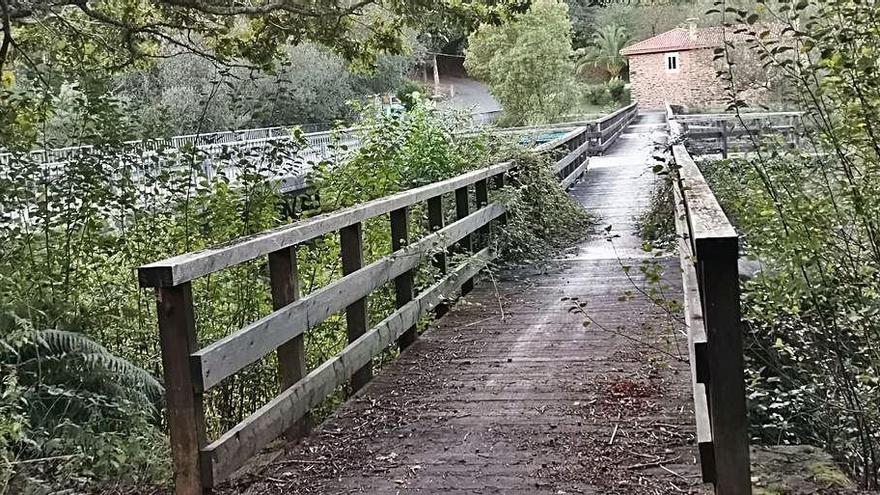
(105, 36)
(809, 215)
(409, 93)
(604, 52)
(656, 225)
(189, 94)
(68, 400)
(527, 62)
(618, 92)
(542, 219)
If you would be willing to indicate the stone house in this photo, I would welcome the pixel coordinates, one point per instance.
(678, 66)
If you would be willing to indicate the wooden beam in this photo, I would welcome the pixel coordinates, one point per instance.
(481, 194)
(715, 245)
(284, 280)
(465, 245)
(356, 317)
(719, 281)
(186, 416)
(693, 313)
(240, 443)
(189, 266)
(575, 175)
(436, 221)
(226, 356)
(404, 283)
(572, 157)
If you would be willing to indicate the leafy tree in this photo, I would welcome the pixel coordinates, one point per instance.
(527, 63)
(604, 51)
(79, 35)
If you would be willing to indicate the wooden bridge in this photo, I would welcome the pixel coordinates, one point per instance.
(567, 377)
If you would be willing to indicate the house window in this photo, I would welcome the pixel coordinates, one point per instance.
(672, 62)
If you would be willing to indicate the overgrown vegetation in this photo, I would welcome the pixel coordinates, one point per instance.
(809, 215)
(79, 351)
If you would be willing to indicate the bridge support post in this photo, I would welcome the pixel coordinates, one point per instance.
(356, 318)
(465, 245)
(403, 285)
(481, 189)
(718, 273)
(436, 221)
(284, 280)
(186, 416)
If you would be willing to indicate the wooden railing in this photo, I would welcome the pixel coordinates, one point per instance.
(606, 130)
(709, 250)
(723, 133)
(199, 462)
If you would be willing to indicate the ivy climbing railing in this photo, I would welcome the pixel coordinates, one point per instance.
(189, 371)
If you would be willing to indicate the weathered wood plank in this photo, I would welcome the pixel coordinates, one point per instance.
(436, 221)
(716, 249)
(224, 357)
(186, 417)
(186, 267)
(403, 284)
(465, 245)
(697, 343)
(481, 195)
(248, 437)
(351, 241)
(719, 281)
(707, 219)
(284, 283)
(571, 157)
(576, 174)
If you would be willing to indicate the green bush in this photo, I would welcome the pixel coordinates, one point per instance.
(407, 91)
(595, 94)
(617, 90)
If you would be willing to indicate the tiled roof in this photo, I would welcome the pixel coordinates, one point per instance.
(685, 39)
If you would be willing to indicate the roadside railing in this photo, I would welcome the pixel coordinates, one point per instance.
(190, 371)
(724, 133)
(709, 251)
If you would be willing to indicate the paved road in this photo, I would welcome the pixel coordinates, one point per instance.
(471, 94)
(528, 400)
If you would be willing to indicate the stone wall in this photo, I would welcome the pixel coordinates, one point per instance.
(695, 84)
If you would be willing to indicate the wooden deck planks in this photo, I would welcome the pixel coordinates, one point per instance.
(527, 403)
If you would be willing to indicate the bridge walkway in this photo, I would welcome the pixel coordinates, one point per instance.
(510, 393)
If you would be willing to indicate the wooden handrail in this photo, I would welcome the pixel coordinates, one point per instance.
(178, 269)
(709, 250)
(190, 371)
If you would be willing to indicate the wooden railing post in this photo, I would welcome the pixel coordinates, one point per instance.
(436, 221)
(481, 189)
(465, 245)
(356, 318)
(403, 285)
(284, 280)
(719, 281)
(186, 416)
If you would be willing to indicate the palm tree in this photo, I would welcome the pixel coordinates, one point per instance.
(604, 51)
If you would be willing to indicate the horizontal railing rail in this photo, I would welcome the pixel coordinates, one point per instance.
(709, 251)
(721, 133)
(190, 371)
